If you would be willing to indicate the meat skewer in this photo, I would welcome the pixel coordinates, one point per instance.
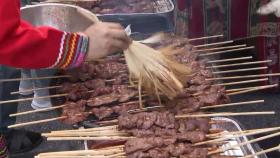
(243, 77)
(138, 110)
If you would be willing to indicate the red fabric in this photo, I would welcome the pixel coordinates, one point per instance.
(22, 45)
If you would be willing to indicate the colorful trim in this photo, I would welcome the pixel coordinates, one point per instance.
(72, 52)
(3, 148)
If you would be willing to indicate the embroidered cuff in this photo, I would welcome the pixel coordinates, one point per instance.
(72, 52)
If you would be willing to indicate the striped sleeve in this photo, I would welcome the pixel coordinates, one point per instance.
(3, 148)
(72, 51)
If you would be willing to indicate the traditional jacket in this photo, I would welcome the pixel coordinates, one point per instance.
(23, 45)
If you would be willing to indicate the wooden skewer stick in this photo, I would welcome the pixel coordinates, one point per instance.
(242, 82)
(253, 89)
(226, 51)
(232, 104)
(206, 37)
(36, 122)
(244, 143)
(34, 78)
(114, 127)
(36, 89)
(218, 48)
(241, 89)
(106, 151)
(223, 138)
(226, 114)
(89, 138)
(243, 77)
(240, 64)
(263, 152)
(241, 70)
(213, 44)
(230, 59)
(38, 110)
(29, 99)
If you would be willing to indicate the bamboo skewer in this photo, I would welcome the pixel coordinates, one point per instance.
(263, 152)
(89, 138)
(240, 89)
(36, 89)
(38, 110)
(206, 37)
(226, 51)
(226, 114)
(244, 143)
(29, 99)
(240, 70)
(213, 44)
(242, 82)
(34, 78)
(232, 104)
(240, 64)
(37, 122)
(244, 77)
(230, 59)
(253, 89)
(253, 132)
(218, 48)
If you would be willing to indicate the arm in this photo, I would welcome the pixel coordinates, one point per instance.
(22, 45)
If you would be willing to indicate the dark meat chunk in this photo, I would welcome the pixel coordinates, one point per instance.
(215, 95)
(179, 149)
(199, 153)
(194, 136)
(201, 124)
(109, 70)
(141, 132)
(101, 91)
(165, 119)
(125, 107)
(79, 91)
(75, 112)
(125, 93)
(138, 154)
(184, 106)
(102, 112)
(95, 83)
(164, 131)
(102, 100)
(143, 144)
(158, 153)
(120, 79)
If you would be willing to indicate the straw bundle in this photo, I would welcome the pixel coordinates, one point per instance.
(155, 71)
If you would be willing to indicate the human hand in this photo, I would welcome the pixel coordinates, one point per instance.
(105, 39)
(272, 7)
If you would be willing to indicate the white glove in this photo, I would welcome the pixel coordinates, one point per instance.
(272, 7)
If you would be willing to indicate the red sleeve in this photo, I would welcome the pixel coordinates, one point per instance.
(22, 45)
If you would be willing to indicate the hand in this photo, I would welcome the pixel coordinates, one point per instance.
(105, 39)
(271, 7)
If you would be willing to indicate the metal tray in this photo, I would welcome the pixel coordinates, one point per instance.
(229, 125)
(147, 23)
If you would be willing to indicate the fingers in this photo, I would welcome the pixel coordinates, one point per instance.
(119, 35)
(119, 45)
(113, 25)
(267, 9)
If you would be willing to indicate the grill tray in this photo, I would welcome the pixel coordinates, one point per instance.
(229, 125)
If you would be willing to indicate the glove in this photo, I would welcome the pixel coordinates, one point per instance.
(273, 7)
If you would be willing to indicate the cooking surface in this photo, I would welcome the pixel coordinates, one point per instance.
(272, 102)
